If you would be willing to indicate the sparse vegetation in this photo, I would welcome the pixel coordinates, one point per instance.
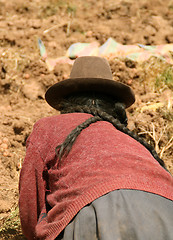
(165, 79)
(157, 74)
(10, 227)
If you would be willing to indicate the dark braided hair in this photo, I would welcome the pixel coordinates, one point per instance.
(103, 108)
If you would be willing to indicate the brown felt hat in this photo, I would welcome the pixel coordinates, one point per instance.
(90, 74)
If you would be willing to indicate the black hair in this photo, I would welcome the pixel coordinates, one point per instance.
(103, 108)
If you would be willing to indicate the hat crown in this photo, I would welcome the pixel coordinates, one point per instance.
(88, 74)
(91, 67)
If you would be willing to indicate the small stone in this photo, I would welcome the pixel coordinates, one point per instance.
(5, 140)
(5, 153)
(26, 75)
(89, 34)
(130, 81)
(1, 150)
(4, 146)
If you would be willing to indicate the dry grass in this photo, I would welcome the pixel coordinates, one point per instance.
(157, 77)
(157, 74)
(10, 227)
(157, 138)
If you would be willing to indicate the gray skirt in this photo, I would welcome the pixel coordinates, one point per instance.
(123, 215)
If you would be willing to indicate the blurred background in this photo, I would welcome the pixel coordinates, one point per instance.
(142, 34)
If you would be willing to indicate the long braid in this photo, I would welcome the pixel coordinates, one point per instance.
(117, 120)
(64, 148)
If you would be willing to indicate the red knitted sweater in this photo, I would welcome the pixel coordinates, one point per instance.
(101, 160)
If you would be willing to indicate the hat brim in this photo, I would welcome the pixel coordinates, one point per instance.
(121, 92)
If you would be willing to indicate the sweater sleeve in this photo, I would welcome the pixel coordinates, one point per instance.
(31, 190)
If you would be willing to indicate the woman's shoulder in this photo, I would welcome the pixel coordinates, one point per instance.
(44, 120)
(60, 118)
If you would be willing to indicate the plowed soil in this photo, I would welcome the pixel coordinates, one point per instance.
(24, 76)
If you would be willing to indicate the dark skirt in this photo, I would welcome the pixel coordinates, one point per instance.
(123, 215)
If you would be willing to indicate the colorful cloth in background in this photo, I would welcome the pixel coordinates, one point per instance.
(138, 53)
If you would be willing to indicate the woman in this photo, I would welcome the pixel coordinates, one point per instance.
(86, 175)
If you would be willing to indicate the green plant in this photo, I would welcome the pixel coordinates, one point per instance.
(52, 8)
(12, 222)
(71, 9)
(165, 79)
(156, 74)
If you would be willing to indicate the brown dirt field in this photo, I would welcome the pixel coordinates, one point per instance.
(24, 76)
